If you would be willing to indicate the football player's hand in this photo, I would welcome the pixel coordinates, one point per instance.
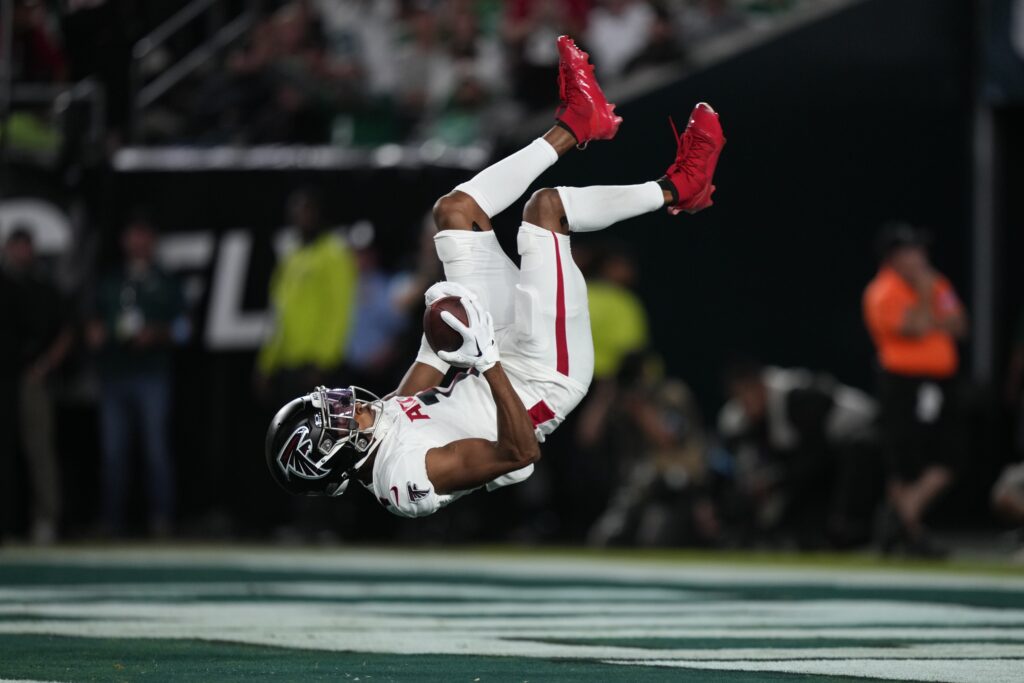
(478, 349)
(440, 290)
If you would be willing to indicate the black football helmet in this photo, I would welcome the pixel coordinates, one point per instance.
(314, 443)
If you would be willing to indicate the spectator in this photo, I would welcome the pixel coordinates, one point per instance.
(9, 372)
(617, 33)
(363, 31)
(707, 19)
(312, 296)
(617, 316)
(42, 339)
(29, 128)
(1008, 491)
(915, 319)
(661, 46)
(313, 299)
(1008, 494)
(356, 72)
(426, 271)
(305, 83)
(139, 311)
(474, 54)
(380, 318)
(531, 29)
(424, 68)
(462, 121)
(1015, 385)
(592, 469)
(800, 442)
(287, 76)
(36, 56)
(664, 494)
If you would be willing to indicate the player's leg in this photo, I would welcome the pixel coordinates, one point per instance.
(471, 205)
(583, 115)
(552, 319)
(465, 242)
(116, 422)
(583, 209)
(686, 185)
(552, 314)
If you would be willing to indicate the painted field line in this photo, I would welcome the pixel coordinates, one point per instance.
(944, 670)
(541, 618)
(343, 589)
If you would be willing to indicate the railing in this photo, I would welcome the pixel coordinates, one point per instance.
(220, 36)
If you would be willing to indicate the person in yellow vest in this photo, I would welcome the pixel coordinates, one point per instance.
(312, 301)
(618, 319)
(915, 319)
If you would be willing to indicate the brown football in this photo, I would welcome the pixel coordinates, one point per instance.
(440, 335)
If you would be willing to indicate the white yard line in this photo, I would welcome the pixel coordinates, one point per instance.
(943, 670)
(351, 589)
(480, 613)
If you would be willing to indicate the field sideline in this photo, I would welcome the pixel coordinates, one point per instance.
(202, 613)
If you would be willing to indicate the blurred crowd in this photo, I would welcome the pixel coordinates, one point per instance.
(351, 72)
(794, 458)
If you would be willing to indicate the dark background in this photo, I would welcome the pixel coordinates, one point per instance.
(833, 129)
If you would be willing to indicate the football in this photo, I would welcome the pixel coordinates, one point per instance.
(440, 335)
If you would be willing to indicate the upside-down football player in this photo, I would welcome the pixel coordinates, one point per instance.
(526, 351)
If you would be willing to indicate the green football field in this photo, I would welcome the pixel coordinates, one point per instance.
(196, 613)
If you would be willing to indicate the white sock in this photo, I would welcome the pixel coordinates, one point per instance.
(598, 206)
(497, 186)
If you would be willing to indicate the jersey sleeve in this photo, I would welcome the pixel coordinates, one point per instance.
(427, 356)
(405, 486)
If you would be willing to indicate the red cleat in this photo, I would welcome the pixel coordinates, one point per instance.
(696, 157)
(584, 109)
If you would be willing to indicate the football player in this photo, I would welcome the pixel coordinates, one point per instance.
(527, 356)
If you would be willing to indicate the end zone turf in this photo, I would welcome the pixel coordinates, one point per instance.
(397, 615)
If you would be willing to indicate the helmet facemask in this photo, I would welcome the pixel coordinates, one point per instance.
(339, 428)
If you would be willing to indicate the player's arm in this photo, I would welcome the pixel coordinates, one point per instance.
(419, 377)
(470, 463)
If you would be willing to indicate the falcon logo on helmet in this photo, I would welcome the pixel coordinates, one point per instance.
(294, 456)
(315, 443)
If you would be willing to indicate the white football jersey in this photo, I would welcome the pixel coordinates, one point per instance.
(412, 425)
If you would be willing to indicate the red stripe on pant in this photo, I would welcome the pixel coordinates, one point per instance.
(561, 347)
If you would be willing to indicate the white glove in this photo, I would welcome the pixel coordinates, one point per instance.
(478, 348)
(440, 290)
